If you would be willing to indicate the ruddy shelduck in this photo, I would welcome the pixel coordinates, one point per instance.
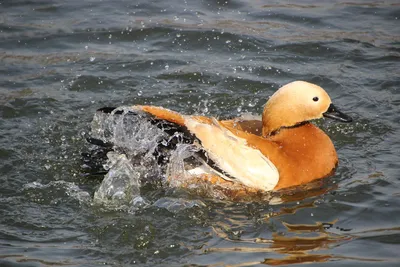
(283, 149)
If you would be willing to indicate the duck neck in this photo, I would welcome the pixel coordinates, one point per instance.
(274, 132)
(273, 118)
(273, 122)
(269, 124)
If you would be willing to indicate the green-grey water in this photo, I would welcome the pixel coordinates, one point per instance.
(62, 60)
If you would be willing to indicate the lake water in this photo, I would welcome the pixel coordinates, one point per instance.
(62, 60)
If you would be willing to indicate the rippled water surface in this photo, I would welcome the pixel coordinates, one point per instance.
(62, 60)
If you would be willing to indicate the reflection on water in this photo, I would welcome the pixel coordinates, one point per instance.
(303, 243)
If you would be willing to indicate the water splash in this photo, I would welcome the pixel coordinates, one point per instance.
(177, 165)
(122, 182)
(130, 131)
(137, 144)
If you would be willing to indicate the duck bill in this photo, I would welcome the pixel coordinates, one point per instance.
(335, 114)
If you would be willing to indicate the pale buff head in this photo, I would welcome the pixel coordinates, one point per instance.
(294, 103)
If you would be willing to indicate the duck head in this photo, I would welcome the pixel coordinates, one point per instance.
(298, 102)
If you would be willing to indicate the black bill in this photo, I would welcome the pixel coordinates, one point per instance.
(335, 114)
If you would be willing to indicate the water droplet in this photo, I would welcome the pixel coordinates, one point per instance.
(86, 47)
(166, 67)
(140, 93)
(252, 104)
(228, 41)
(92, 59)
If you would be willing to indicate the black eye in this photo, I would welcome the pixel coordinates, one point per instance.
(315, 98)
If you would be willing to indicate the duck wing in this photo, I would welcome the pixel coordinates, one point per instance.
(228, 150)
(248, 125)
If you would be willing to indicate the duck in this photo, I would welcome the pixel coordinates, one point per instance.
(283, 149)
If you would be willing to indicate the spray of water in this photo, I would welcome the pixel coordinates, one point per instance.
(135, 141)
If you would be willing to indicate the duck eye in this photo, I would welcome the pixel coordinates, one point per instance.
(315, 98)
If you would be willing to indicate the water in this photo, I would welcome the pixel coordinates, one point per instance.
(62, 60)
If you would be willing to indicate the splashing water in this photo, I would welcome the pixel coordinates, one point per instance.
(132, 162)
(129, 131)
(177, 165)
(122, 182)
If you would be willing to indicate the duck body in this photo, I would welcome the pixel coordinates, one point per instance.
(276, 152)
(300, 153)
(303, 154)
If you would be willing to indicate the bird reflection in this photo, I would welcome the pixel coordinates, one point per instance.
(300, 243)
(297, 246)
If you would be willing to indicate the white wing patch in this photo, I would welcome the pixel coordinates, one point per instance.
(234, 156)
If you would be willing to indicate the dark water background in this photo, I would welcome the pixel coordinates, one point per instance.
(61, 60)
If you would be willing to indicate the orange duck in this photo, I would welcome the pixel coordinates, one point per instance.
(282, 150)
